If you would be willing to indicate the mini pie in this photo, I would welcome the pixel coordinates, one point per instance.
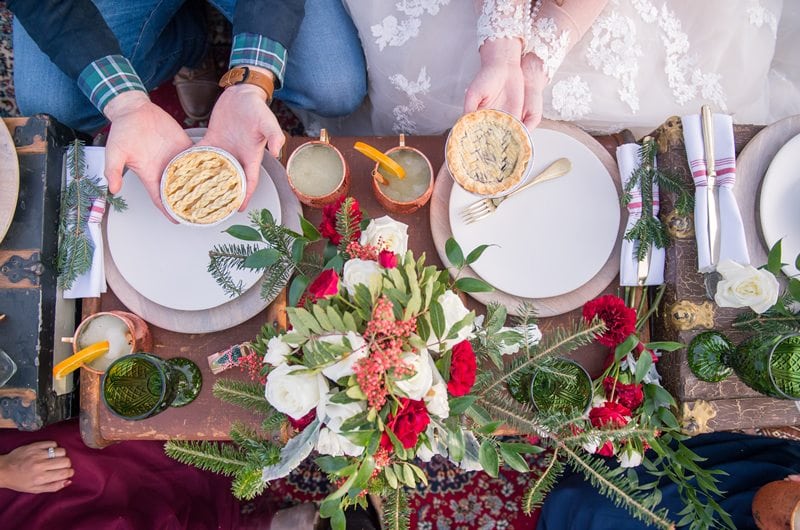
(203, 187)
(488, 152)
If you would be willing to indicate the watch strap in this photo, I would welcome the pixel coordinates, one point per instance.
(244, 74)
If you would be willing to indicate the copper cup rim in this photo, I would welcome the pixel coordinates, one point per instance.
(328, 197)
(424, 193)
(81, 327)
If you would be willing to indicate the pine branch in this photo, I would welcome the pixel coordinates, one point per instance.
(226, 258)
(540, 487)
(346, 225)
(260, 452)
(221, 458)
(395, 510)
(248, 484)
(519, 416)
(243, 394)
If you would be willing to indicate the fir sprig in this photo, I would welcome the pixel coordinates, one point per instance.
(395, 510)
(245, 394)
(76, 248)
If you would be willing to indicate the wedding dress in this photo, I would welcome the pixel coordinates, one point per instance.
(633, 65)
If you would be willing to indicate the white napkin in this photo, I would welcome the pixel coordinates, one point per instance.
(92, 283)
(732, 240)
(628, 161)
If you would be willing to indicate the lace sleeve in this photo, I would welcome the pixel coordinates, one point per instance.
(555, 26)
(501, 19)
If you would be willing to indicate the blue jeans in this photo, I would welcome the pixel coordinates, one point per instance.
(325, 72)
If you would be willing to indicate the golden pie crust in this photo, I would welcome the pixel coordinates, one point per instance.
(203, 187)
(488, 152)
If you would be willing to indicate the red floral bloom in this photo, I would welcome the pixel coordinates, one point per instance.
(620, 320)
(303, 422)
(327, 226)
(387, 259)
(610, 414)
(325, 285)
(410, 421)
(462, 369)
(640, 348)
(607, 449)
(629, 395)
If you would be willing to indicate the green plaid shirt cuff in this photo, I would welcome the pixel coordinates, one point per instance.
(107, 77)
(250, 49)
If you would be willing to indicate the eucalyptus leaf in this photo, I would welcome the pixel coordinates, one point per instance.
(437, 319)
(310, 231)
(489, 459)
(245, 233)
(293, 453)
(473, 285)
(332, 464)
(262, 258)
(454, 253)
(455, 441)
(513, 459)
(298, 248)
(390, 477)
(408, 476)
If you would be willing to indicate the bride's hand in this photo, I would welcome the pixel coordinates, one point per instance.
(499, 83)
(535, 81)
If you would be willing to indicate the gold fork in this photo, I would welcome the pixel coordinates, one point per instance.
(486, 207)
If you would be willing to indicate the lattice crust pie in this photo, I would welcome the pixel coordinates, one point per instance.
(203, 187)
(488, 152)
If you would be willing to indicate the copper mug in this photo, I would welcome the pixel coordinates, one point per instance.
(414, 190)
(138, 334)
(318, 164)
(777, 506)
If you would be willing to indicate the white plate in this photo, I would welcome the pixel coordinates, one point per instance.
(551, 238)
(167, 263)
(780, 197)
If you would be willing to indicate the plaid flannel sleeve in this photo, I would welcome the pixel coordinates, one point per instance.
(107, 77)
(250, 49)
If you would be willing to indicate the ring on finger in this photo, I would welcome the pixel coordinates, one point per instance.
(51, 452)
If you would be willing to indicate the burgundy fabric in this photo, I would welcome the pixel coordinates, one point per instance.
(130, 485)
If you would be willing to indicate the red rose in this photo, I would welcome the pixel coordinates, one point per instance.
(620, 320)
(607, 449)
(303, 422)
(410, 421)
(629, 395)
(387, 259)
(462, 369)
(327, 227)
(610, 414)
(325, 285)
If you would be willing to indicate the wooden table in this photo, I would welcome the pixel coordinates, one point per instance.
(209, 418)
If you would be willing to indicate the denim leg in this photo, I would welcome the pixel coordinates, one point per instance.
(326, 72)
(158, 36)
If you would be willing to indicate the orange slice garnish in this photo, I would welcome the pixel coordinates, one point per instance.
(373, 154)
(73, 362)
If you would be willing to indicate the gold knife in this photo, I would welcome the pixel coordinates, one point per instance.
(707, 122)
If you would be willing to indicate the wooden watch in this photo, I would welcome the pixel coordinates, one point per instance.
(244, 74)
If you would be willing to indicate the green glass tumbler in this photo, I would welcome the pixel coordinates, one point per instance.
(769, 364)
(561, 385)
(141, 385)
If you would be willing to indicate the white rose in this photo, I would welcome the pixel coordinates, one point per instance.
(630, 458)
(331, 443)
(344, 367)
(334, 414)
(361, 271)
(416, 386)
(277, 350)
(454, 311)
(386, 233)
(744, 285)
(294, 394)
(436, 400)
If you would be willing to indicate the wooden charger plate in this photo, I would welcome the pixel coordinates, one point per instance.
(545, 307)
(9, 179)
(224, 316)
(751, 166)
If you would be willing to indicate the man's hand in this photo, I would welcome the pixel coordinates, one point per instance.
(499, 83)
(535, 83)
(28, 469)
(144, 138)
(242, 124)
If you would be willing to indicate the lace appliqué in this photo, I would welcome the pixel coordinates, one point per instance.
(614, 50)
(403, 122)
(760, 16)
(502, 19)
(549, 44)
(572, 98)
(394, 32)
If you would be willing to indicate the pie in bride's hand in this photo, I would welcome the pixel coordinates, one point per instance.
(488, 152)
(202, 186)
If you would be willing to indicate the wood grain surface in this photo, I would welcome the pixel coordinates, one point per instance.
(9, 179)
(545, 307)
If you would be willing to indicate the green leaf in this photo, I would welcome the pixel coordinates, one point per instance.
(243, 232)
(261, 259)
(513, 460)
(489, 459)
(298, 247)
(437, 319)
(349, 322)
(360, 438)
(454, 253)
(523, 448)
(643, 365)
(338, 520)
(774, 258)
(626, 347)
(408, 476)
(496, 315)
(310, 231)
(390, 477)
(664, 346)
(364, 474)
(473, 285)
(794, 288)
(328, 507)
(297, 288)
(797, 262)
(489, 428)
(423, 329)
(455, 441)
(332, 464)
(476, 253)
(459, 405)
